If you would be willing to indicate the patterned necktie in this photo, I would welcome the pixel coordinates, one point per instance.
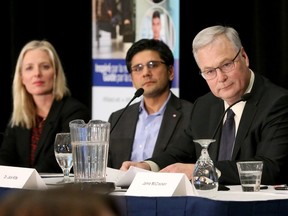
(227, 137)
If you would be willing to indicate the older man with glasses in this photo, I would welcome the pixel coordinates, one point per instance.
(260, 123)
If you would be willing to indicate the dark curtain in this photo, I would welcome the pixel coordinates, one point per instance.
(262, 26)
(66, 24)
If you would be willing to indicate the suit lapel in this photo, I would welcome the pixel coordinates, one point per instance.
(48, 128)
(248, 115)
(246, 120)
(170, 119)
(216, 113)
(131, 121)
(25, 136)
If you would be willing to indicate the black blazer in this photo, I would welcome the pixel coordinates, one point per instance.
(176, 117)
(15, 149)
(262, 134)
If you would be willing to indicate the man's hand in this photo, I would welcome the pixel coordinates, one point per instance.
(126, 164)
(180, 168)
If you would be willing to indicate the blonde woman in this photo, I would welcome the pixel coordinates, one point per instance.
(42, 107)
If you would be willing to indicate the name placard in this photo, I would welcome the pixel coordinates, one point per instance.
(161, 184)
(20, 177)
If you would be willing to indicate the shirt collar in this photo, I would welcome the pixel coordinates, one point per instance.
(238, 108)
(160, 112)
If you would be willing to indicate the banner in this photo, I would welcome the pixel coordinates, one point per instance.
(116, 24)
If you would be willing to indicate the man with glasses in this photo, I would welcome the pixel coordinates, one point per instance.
(147, 128)
(260, 123)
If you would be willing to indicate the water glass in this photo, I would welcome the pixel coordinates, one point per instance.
(250, 173)
(205, 178)
(63, 154)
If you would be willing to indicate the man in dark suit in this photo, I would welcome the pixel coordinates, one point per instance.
(148, 127)
(261, 122)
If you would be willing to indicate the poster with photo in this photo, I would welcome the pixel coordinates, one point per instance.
(116, 24)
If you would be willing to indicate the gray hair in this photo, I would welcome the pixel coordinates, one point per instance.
(208, 35)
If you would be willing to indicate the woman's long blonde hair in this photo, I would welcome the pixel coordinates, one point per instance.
(24, 108)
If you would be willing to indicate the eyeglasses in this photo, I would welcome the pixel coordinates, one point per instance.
(211, 73)
(150, 65)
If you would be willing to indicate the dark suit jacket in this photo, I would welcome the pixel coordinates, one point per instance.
(176, 118)
(262, 134)
(15, 149)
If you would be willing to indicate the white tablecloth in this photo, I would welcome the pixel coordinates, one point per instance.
(234, 194)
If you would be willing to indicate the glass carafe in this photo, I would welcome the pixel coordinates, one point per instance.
(90, 144)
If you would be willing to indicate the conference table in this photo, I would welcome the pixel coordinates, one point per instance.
(233, 202)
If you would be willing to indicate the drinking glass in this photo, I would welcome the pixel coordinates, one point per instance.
(63, 154)
(250, 173)
(205, 178)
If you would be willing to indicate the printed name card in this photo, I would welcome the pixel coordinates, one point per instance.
(122, 178)
(20, 177)
(161, 184)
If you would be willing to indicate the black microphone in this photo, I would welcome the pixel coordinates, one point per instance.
(137, 94)
(245, 97)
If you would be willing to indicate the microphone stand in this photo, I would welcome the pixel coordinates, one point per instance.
(245, 97)
(137, 94)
